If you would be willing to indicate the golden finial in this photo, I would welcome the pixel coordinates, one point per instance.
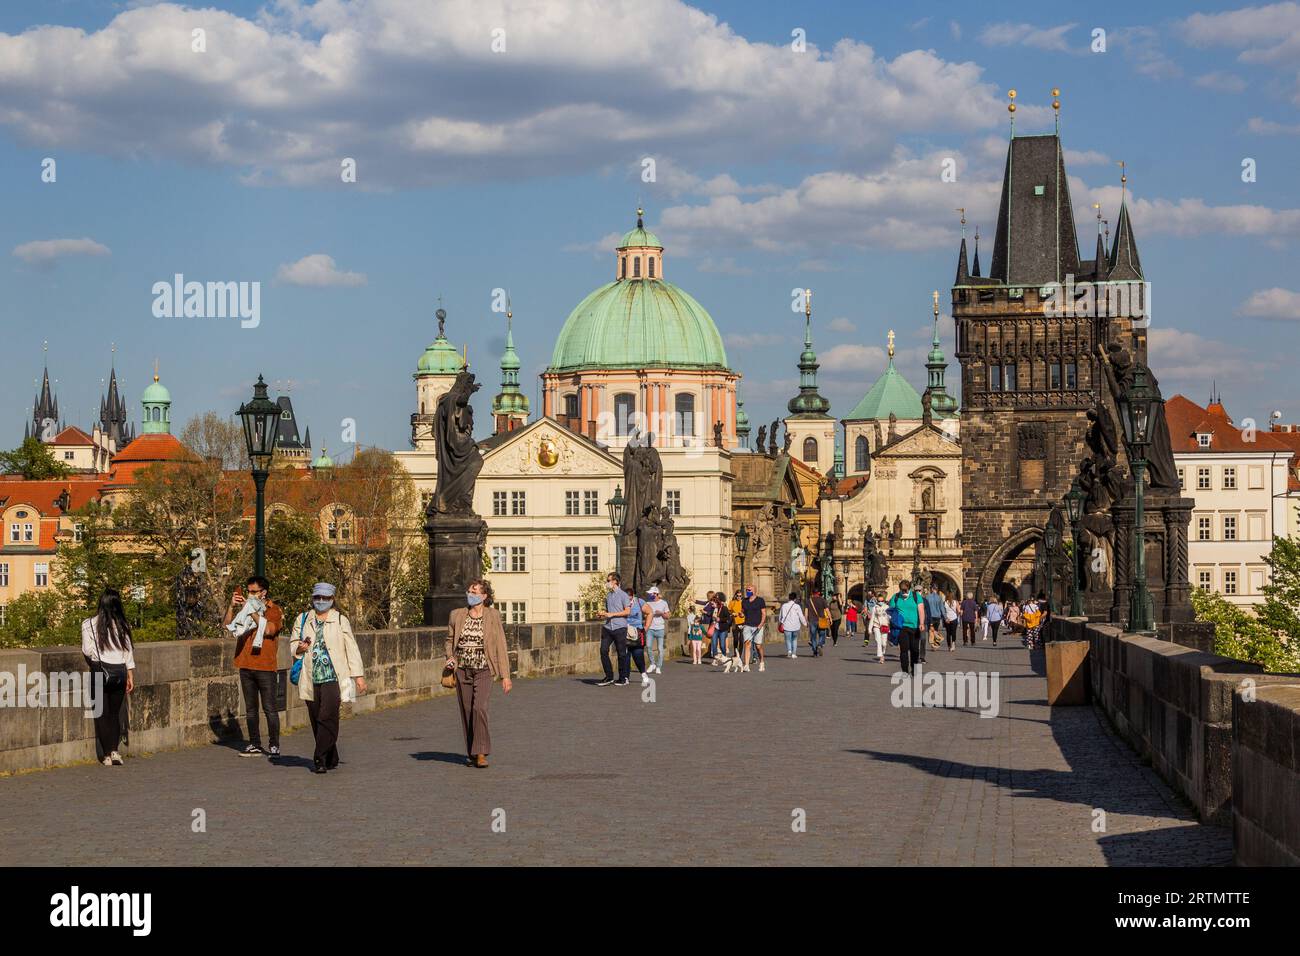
(1011, 95)
(936, 303)
(1123, 178)
(807, 302)
(1056, 102)
(155, 369)
(891, 343)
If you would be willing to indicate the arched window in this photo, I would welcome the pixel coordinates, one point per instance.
(571, 405)
(156, 413)
(636, 267)
(684, 422)
(861, 455)
(810, 450)
(624, 410)
(622, 261)
(652, 267)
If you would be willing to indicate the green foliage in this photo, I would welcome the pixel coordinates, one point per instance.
(34, 461)
(1245, 638)
(592, 595)
(33, 619)
(410, 586)
(296, 558)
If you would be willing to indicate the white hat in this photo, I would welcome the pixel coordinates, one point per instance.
(653, 589)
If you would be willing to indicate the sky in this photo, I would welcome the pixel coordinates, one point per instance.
(504, 145)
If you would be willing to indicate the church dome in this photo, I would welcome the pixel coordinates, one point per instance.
(156, 393)
(890, 394)
(640, 320)
(441, 357)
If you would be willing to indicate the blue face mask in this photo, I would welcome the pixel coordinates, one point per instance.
(749, 593)
(322, 604)
(474, 600)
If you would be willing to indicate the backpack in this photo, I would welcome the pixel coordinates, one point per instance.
(896, 623)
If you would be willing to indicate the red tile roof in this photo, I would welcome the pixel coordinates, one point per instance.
(41, 495)
(1187, 420)
(72, 435)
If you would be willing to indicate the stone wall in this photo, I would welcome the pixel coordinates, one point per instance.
(1266, 776)
(187, 692)
(1222, 732)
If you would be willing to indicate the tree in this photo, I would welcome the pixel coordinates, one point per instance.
(1281, 608)
(34, 461)
(33, 619)
(296, 558)
(214, 437)
(1242, 637)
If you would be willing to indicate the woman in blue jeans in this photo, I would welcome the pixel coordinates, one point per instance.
(792, 620)
(655, 627)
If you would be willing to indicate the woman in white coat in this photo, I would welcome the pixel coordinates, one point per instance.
(331, 671)
(878, 627)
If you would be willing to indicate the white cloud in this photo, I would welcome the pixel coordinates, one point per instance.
(1142, 47)
(46, 252)
(583, 85)
(1272, 303)
(726, 266)
(1263, 127)
(1187, 217)
(1084, 157)
(1267, 35)
(841, 324)
(317, 269)
(1186, 361)
(849, 357)
(756, 340)
(1222, 82)
(1025, 34)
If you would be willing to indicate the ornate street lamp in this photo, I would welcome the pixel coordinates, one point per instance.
(1139, 407)
(261, 418)
(1052, 541)
(742, 546)
(1074, 508)
(617, 514)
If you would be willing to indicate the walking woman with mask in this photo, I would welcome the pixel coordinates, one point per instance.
(476, 651)
(106, 644)
(331, 671)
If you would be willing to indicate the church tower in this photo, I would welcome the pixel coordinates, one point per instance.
(510, 407)
(809, 427)
(435, 373)
(45, 410)
(157, 404)
(1030, 368)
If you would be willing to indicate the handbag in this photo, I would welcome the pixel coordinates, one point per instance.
(295, 672)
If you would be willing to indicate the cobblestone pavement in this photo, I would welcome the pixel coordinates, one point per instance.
(713, 771)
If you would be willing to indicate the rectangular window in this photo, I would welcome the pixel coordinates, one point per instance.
(1182, 479)
(1202, 479)
(67, 456)
(673, 498)
(1204, 529)
(1054, 375)
(1071, 375)
(1229, 527)
(591, 557)
(15, 533)
(591, 502)
(1009, 378)
(570, 557)
(1229, 582)
(573, 612)
(4, 575)
(27, 533)
(995, 378)
(498, 504)
(570, 503)
(1229, 479)
(1205, 579)
(1203, 439)
(42, 574)
(519, 502)
(518, 558)
(498, 559)
(518, 612)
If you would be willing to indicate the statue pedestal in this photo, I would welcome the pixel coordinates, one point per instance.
(1165, 525)
(454, 561)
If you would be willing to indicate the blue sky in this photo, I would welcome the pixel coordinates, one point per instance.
(479, 170)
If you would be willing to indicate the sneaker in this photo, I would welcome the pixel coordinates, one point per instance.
(107, 761)
(273, 752)
(794, 655)
(621, 683)
(762, 666)
(645, 678)
(606, 682)
(745, 669)
(115, 758)
(252, 750)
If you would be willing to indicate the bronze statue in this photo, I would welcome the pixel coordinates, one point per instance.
(643, 475)
(1120, 369)
(717, 434)
(760, 446)
(459, 458)
(771, 438)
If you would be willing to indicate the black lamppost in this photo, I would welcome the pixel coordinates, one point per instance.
(261, 418)
(1074, 508)
(617, 514)
(1139, 405)
(1052, 541)
(742, 546)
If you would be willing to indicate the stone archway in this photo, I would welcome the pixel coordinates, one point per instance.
(946, 582)
(1004, 572)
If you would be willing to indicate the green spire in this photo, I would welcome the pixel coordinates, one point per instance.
(808, 403)
(941, 403)
(742, 424)
(510, 401)
(157, 404)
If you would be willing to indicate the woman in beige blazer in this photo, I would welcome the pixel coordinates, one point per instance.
(331, 674)
(476, 651)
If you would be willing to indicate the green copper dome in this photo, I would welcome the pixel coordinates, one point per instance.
(640, 237)
(323, 460)
(156, 392)
(891, 393)
(638, 323)
(440, 358)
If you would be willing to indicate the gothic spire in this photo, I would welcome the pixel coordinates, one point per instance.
(1124, 261)
(809, 403)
